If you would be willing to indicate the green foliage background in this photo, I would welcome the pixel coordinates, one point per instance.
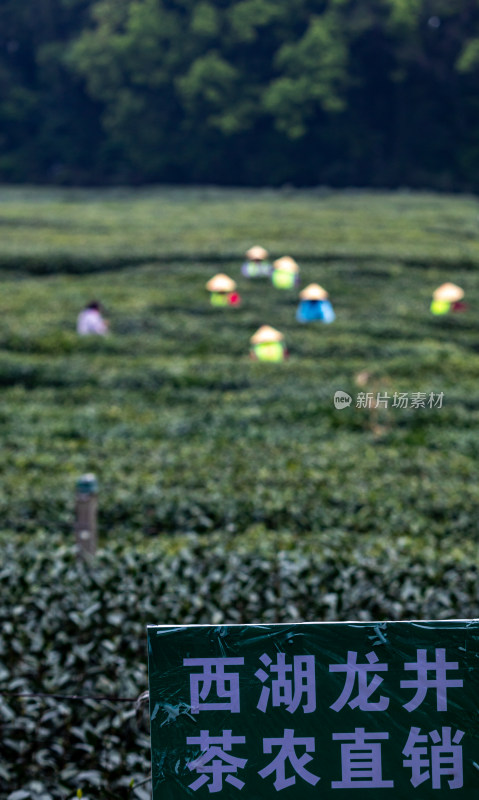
(240, 92)
(230, 491)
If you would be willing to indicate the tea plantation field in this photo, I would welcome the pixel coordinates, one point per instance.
(230, 491)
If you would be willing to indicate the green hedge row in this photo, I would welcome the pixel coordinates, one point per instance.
(54, 231)
(71, 629)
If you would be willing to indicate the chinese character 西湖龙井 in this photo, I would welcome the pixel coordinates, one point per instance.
(422, 683)
(292, 681)
(365, 689)
(226, 684)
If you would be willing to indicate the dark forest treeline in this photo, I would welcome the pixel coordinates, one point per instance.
(338, 92)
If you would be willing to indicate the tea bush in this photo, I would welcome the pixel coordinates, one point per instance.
(53, 230)
(187, 433)
(230, 491)
(71, 630)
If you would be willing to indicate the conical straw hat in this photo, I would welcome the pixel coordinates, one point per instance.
(448, 292)
(266, 334)
(286, 264)
(257, 253)
(221, 283)
(313, 292)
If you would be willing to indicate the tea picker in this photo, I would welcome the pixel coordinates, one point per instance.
(268, 345)
(446, 298)
(91, 321)
(256, 264)
(222, 291)
(315, 305)
(285, 274)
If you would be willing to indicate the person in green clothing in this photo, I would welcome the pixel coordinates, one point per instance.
(268, 345)
(446, 298)
(285, 273)
(222, 291)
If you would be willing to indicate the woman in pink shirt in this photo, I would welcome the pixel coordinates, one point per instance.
(90, 320)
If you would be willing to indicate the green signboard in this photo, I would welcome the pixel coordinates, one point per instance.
(323, 710)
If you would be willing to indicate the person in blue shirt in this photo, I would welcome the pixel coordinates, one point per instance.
(315, 305)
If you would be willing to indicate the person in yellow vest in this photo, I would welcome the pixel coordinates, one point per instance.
(285, 274)
(222, 291)
(268, 345)
(446, 298)
(256, 264)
